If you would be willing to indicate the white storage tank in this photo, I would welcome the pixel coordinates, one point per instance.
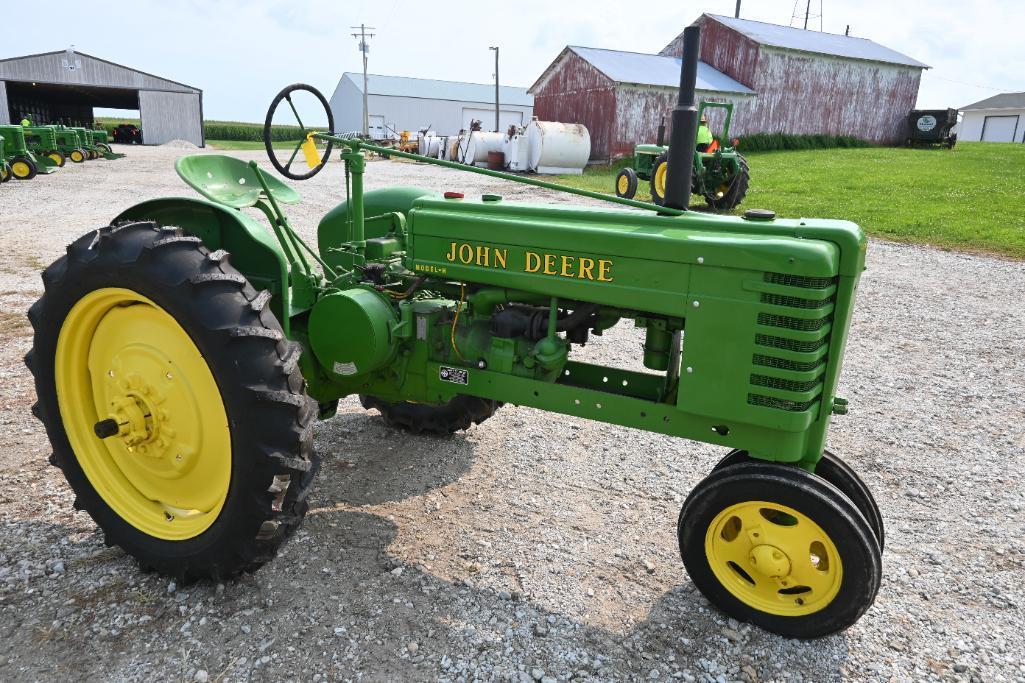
(478, 144)
(515, 149)
(429, 144)
(558, 148)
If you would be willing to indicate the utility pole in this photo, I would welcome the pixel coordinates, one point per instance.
(364, 47)
(737, 13)
(807, 11)
(497, 124)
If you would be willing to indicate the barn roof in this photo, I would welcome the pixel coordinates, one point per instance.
(429, 89)
(791, 38)
(48, 67)
(644, 69)
(1006, 100)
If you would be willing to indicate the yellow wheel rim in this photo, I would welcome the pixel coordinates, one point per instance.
(20, 169)
(122, 357)
(623, 184)
(773, 558)
(660, 178)
(56, 158)
(76, 156)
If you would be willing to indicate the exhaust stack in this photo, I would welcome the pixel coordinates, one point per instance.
(684, 126)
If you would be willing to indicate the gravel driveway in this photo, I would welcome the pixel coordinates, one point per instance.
(535, 546)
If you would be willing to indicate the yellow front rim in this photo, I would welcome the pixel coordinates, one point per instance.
(660, 178)
(773, 558)
(122, 357)
(20, 169)
(623, 184)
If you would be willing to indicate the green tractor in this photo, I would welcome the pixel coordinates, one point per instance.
(87, 142)
(720, 173)
(182, 355)
(5, 168)
(42, 142)
(23, 163)
(102, 141)
(69, 144)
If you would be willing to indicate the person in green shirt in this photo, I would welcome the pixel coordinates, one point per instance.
(704, 137)
(26, 121)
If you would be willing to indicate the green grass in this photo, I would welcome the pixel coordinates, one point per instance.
(970, 199)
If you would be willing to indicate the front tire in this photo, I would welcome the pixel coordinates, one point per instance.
(462, 412)
(626, 183)
(780, 548)
(145, 331)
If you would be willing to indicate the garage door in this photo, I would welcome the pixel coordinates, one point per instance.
(487, 118)
(999, 128)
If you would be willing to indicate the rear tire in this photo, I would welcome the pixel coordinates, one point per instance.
(462, 412)
(657, 184)
(134, 490)
(57, 157)
(5, 171)
(77, 156)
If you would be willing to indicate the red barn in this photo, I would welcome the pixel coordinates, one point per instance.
(780, 79)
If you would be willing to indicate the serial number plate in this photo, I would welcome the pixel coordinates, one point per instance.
(453, 375)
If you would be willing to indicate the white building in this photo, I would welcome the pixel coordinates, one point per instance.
(397, 103)
(1000, 118)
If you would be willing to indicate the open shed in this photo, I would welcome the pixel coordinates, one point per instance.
(66, 86)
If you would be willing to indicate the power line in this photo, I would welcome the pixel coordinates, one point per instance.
(972, 85)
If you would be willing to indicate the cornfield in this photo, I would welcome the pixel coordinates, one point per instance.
(228, 130)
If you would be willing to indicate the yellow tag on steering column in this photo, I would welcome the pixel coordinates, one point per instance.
(310, 151)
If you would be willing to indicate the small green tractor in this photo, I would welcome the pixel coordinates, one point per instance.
(23, 163)
(720, 174)
(42, 142)
(69, 144)
(5, 168)
(102, 142)
(183, 353)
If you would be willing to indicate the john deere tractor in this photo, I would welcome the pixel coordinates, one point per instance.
(42, 142)
(720, 174)
(183, 353)
(5, 168)
(23, 163)
(69, 144)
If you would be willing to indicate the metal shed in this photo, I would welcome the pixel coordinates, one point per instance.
(1000, 118)
(397, 103)
(622, 96)
(809, 82)
(66, 86)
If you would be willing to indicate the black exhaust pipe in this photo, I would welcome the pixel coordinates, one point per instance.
(661, 132)
(684, 126)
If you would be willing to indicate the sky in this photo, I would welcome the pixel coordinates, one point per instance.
(242, 52)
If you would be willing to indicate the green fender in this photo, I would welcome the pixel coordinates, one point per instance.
(254, 251)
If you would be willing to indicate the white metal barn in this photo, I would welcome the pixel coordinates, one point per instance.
(397, 103)
(1000, 118)
(65, 87)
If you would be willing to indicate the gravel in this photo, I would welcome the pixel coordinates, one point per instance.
(535, 547)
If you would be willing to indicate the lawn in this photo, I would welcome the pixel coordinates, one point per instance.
(971, 198)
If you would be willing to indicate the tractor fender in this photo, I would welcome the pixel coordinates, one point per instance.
(254, 251)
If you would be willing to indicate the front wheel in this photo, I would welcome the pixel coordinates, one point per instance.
(23, 168)
(462, 412)
(172, 401)
(626, 183)
(780, 548)
(77, 156)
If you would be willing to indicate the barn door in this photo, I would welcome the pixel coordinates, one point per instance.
(999, 129)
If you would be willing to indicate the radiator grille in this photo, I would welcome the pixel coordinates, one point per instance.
(788, 370)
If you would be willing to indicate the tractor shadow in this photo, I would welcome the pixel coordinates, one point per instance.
(366, 462)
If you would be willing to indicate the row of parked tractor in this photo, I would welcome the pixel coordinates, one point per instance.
(27, 151)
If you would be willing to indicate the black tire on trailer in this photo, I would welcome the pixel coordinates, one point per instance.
(462, 412)
(659, 175)
(626, 183)
(838, 473)
(232, 404)
(780, 548)
(735, 193)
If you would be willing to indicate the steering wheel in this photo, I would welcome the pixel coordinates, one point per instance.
(286, 96)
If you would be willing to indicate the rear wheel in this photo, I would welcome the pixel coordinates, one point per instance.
(5, 171)
(57, 158)
(626, 183)
(77, 155)
(730, 195)
(172, 401)
(23, 168)
(780, 548)
(104, 148)
(462, 412)
(659, 172)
